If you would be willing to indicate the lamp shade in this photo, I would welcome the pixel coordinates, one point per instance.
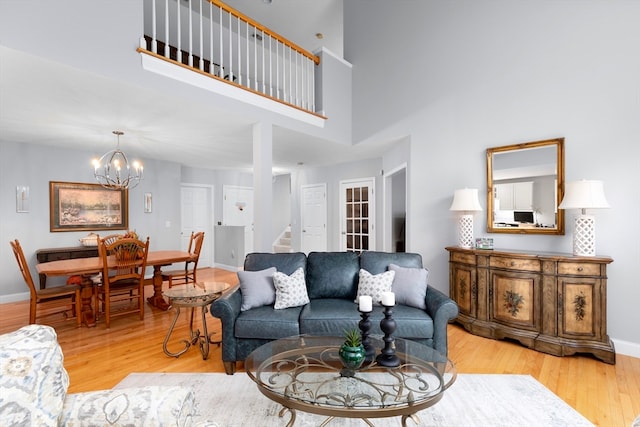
(584, 194)
(466, 200)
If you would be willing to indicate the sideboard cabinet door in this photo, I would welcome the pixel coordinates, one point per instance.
(515, 304)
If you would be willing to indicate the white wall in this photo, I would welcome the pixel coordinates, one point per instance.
(470, 75)
(34, 166)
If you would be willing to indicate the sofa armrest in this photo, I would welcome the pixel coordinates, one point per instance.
(137, 406)
(442, 309)
(227, 309)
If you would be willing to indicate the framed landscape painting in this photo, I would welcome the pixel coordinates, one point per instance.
(78, 206)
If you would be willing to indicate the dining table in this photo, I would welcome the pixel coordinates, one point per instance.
(86, 267)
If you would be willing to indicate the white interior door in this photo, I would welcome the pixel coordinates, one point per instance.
(237, 209)
(196, 215)
(314, 218)
(357, 215)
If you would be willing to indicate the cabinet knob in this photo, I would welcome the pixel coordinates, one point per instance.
(580, 268)
(513, 263)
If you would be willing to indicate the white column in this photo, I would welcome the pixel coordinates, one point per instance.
(262, 187)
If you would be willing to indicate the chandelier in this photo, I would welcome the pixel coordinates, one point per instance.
(113, 171)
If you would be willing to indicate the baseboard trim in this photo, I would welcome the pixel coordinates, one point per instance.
(227, 267)
(627, 348)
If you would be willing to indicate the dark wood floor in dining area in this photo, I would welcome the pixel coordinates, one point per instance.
(98, 358)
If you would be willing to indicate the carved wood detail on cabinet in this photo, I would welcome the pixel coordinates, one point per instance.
(552, 302)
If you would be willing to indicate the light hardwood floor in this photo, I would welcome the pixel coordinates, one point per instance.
(97, 358)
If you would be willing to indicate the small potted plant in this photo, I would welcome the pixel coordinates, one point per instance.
(352, 352)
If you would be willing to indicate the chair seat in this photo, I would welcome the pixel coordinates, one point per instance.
(42, 297)
(188, 273)
(57, 291)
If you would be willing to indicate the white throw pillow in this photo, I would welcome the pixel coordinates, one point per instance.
(257, 288)
(374, 285)
(291, 291)
(410, 285)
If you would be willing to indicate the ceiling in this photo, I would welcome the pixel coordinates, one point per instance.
(44, 102)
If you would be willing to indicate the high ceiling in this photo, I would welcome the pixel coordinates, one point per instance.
(44, 102)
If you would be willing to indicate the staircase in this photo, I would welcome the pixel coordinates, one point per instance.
(283, 242)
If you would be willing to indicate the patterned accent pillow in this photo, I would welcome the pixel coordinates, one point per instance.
(291, 291)
(33, 381)
(410, 286)
(256, 288)
(374, 285)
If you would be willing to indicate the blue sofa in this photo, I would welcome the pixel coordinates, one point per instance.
(332, 283)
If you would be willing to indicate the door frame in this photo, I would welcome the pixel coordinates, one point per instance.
(342, 238)
(210, 223)
(387, 217)
(325, 210)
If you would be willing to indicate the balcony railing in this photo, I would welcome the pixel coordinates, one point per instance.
(213, 38)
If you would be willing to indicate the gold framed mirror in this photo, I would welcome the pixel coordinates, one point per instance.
(525, 184)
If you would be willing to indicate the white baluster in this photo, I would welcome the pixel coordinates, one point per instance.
(211, 38)
(270, 67)
(264, 82)
(230, 51)
(247, 72)
(166, 29)
(179, 53)
(201, 62)
(190, 35)
(221, 46)
(154, 42)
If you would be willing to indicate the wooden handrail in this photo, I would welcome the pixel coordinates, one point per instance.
(286, 42)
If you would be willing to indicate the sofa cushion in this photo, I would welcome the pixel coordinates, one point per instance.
(140, 406)
(286, 263)
(410, 285)
(329, 317)
(378, 262)
(291, 291)
(33, 381)
(267, 323)
(374, 284)
(257, 288)
(333, 316)
(332, 275)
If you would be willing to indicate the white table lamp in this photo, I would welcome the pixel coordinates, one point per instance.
(466, 202)
(584, 194)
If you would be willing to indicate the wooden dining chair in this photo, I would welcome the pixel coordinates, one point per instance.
(123, 267)
(55, 300)
(188, 273)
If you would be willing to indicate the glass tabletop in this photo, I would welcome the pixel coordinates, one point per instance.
(306, 372)
(199, 290)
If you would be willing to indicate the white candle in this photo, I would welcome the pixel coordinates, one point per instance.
(365, 303)
(388, 299)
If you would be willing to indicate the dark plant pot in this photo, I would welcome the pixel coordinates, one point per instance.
(352, 357)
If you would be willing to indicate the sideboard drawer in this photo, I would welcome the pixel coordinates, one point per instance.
(515, 263)
(463, 258)
(578, 268)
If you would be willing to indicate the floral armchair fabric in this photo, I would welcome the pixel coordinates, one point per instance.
(34, 383)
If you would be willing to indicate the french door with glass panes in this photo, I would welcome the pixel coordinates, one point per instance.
(357, 216)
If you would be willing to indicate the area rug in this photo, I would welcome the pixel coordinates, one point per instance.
(473, 400)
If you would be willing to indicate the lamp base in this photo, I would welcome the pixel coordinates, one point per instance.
(584, 236)
(465, 231)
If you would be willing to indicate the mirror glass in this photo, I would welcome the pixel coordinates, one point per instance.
(525, 184)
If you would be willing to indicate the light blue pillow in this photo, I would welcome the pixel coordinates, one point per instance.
(410, 285)
(257, 288)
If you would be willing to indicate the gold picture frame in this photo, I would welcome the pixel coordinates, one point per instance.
(78, 206)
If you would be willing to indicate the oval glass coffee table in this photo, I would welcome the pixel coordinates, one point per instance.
(304, 373)
(192, 297)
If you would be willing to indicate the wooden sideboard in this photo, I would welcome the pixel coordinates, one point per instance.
(552, 302)
(55, 254)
